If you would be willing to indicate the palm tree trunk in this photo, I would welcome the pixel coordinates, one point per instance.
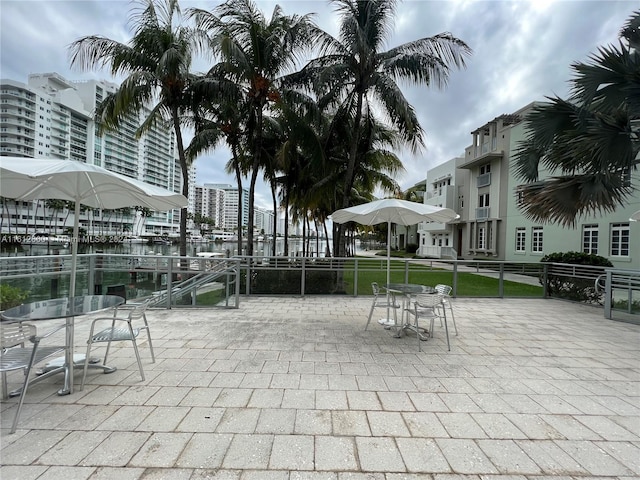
(275, 221)
(339, 243)
(185, 180)
(236, 165)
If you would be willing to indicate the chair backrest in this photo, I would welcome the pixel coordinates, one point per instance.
(375, 288)
(427, 300)
(13, 334)
(443, 289)
(138, 310)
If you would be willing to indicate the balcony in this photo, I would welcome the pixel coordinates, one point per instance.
(483, 180)
(482, 213)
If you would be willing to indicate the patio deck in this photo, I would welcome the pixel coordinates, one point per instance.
(293, 388)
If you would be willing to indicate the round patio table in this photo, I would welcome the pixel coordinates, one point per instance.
(68, 308)
(405, 290)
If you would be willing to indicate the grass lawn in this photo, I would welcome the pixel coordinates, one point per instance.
(469, 284)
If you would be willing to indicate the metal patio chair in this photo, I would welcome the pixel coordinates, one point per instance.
(16, 355)
(127, 332)
(380, 301)
(445, 291)
(428, 306)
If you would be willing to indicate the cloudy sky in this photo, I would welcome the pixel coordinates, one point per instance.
(522, 52)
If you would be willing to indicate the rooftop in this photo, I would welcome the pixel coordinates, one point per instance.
(294, 388)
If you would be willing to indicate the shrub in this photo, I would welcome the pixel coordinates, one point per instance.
(412, 247)
(11, 296)
(573, 287)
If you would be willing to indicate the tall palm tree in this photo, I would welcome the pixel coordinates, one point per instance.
(354, 71)
(589, 143)
(256, 52)
(157, 62)
(220, 119)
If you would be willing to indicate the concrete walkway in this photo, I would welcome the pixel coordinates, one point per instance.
(294, 388)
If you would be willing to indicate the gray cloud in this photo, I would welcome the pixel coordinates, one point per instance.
(523, 51)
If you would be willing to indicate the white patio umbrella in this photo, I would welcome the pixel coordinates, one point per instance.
(635, 217)
(392, 210)
(82, 183)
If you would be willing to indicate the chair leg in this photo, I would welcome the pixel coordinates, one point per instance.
(23, 394)
(370, 315)
(446, 327)
(86, 361)
(5, 390)
(453, 318)
(135, 349)
(106, 353)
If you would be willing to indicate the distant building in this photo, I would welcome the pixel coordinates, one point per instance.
(227, 205)
(52, 117)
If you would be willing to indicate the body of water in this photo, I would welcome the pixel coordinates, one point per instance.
(231, 248)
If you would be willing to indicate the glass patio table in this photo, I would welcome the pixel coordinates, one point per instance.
(59, 308)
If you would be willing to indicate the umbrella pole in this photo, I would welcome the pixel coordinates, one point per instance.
(388, 266)
(68, 376)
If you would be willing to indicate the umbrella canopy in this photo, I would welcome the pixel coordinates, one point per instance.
(635, 217)
(82, 183)
(32, 179)
(392, 210)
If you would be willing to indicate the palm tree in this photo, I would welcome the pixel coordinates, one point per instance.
(255, 52)
(220, 119)
(355, 71)
(588, 144)
(157, 61)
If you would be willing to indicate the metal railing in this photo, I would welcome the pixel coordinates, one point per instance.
(195, 281)
(621, 291)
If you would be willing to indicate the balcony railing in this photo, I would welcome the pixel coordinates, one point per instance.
(482, 213)
(483, 180)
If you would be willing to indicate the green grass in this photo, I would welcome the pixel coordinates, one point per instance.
(469, 284)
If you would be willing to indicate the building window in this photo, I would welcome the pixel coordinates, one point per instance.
(521, 238)
(536, 239)
(620, 240)
(590, 239)
(485, 169)
(482, 238)
(483, 200)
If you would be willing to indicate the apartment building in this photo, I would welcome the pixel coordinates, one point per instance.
(52, 117)
(229, 208)
(445, 187)
(481, 187)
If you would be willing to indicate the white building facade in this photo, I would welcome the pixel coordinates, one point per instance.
(482, 189)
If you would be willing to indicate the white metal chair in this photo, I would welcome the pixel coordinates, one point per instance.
(15, 355)
(428, 306)
(445, 291)
(380, 301)
(126, 332)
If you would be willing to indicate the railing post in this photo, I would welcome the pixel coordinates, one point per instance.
(355, 277)
(545, 280)
(237, 289)
(302, 276)
(455, 279)
(501, 282)
(406, 271)
(169, 282)
(608, 296)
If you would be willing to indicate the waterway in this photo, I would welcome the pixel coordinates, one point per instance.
(228, 249)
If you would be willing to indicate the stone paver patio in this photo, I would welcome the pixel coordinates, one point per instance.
(293, 388)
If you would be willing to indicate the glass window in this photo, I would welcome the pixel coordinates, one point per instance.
(620, 240)
(482, 238)
(590, 239)
(536, 239)
(521, 238)
(485, 169)
(483, 200)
